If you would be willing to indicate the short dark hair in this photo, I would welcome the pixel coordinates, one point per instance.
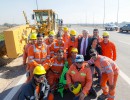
(60, 51)
(95, 29)
(39, 35)
(59, 34)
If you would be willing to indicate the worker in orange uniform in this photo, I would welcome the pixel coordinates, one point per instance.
(50, 39)
(66, 36)
(73, 41)
(36, 54)
(79, 72)
(55, 69)
(71, 59)
(58, 44)
(110, 72)
(32, 41)
(108, 47)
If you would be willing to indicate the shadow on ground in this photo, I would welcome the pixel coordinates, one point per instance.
(11, 72)
(6, 92)
(126, 33)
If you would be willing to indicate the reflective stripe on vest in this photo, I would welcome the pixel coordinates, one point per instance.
(55, 64)
(82, 74)
(109, 96)
(52, 52)
(104, 69)
(73, 72)
(55, 47)
(42, 59)
(35, 50)
(30, 61)
(30, 57)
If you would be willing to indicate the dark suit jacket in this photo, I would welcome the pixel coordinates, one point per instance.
(79, 45)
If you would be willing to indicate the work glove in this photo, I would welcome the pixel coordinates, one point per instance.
(81, 96)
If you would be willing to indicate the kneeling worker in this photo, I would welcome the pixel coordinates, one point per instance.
(37, 88)
(79, 75)
(110, 72)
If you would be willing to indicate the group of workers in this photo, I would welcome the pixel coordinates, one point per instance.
(86, 55)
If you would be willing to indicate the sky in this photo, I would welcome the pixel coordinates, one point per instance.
(71, 11)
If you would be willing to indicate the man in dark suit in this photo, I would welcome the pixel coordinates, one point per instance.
(83, 42)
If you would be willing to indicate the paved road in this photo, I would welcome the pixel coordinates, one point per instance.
(123, 47)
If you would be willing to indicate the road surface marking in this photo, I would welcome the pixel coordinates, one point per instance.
(125, 42)
(125, 77)
(11, 94)
(19, 84)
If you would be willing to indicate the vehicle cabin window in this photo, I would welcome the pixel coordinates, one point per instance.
(41, 17)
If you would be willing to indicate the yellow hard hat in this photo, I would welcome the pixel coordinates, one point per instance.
(76, 88)
(65, 29)
(39, 70)
(74, 50)
(105, 33)
(52, 33)
(72, 32)
(33, 36)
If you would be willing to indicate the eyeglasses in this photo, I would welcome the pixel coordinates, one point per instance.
(79, 62)
(105, 36)
(95, 32)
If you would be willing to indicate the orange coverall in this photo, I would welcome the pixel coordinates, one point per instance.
(109, 50)
(84, 76)
(53, 72)
(110, 73)
(70, 61)
(53, 49)
(36, 56)
(66, 38)
(25, 53)
(72, 44)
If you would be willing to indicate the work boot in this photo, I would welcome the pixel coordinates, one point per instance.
(93, 92)
(98, 85)
(102, 97)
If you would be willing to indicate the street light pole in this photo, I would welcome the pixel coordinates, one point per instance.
(117, 11)
(104, 14)
(37, 4)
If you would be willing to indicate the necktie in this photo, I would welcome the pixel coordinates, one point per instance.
(84, 47)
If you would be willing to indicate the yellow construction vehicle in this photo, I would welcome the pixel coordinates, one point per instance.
(15, 38)
(46, 20)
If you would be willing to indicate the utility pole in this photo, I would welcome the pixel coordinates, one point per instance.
(104, 15)
(37, 4)
(117, 11)
(93, 20)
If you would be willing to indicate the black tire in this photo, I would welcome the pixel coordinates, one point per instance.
(116, 29)
(121, 30)
(111, 29)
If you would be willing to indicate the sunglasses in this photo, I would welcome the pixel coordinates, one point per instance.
(105, 36)
(93, 54)
(79, 62)
(40, 76)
